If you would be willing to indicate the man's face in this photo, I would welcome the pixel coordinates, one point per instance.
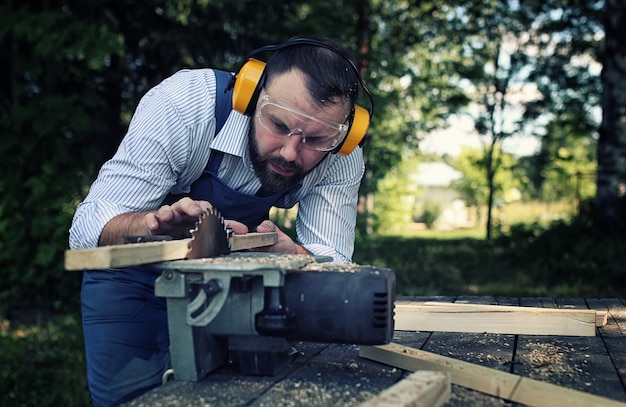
(280, 161)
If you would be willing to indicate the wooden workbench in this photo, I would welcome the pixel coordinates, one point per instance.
(335, 375)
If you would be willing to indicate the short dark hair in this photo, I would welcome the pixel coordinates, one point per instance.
(325, 64)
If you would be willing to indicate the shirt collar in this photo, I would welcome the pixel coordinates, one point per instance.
(233, 137)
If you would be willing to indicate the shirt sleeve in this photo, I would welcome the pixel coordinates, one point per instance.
(164, 150)
(326, 219)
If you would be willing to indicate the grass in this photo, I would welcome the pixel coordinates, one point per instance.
(43, 363)
(532, 259)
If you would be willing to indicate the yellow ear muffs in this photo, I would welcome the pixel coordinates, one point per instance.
(358, 129)
(249, 80)
(247, 86)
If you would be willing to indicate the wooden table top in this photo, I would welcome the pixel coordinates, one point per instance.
(335, 375)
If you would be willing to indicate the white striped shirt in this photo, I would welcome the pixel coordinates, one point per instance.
(167, 147)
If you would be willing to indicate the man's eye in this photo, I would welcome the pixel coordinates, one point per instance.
(317, 140)
(280, 127)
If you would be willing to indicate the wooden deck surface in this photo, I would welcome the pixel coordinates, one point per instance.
(335, 375)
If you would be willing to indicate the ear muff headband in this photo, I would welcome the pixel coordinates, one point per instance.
(250, 79)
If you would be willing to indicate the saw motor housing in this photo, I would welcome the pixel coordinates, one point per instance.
(248, 308)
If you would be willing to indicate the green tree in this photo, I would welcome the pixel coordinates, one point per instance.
(395, 196)
(530, 65)
(54, 124)
(610, 210)
(564, 168)
(415, 65)
(473, 186)
(565, 71)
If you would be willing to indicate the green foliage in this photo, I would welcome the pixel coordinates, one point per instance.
(563, 259)
(48, 144)
(569, 254)
(395, 196)
(430, 214)
(426, 266)
(414, 61)
(43, 364)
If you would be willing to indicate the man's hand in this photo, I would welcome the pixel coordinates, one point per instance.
(175, 220)
(285, 245)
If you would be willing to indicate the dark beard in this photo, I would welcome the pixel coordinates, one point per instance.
(271, 181)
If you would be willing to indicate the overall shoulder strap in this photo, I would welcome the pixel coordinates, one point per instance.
(223, 100)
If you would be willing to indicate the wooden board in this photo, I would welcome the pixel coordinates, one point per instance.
(134, 254)
(490, 381)
(481, 318)
(419, 389)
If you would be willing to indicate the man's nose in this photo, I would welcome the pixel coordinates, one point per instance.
(292, 146)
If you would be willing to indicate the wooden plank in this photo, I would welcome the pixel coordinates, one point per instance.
(476, 377)
(501, 319)
(124, 255)
(602, 318)
(251, 240)
(420, 389)
(579, 303)
(490, 381)
(134, 254)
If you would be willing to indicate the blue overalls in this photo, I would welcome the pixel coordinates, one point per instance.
(125, 324)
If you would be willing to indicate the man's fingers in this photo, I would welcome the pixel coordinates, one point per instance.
(152, 222)
(266, 226)
(238, 228)
(183, 209)
(190, 207)
(165, 213)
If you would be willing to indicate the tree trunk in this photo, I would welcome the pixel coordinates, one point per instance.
(611, 181)
(366, 202)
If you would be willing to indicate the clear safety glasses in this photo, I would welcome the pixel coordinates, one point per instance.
(274, 117)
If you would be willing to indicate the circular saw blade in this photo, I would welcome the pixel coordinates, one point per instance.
(209, 237)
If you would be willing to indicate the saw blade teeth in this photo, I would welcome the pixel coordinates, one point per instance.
(209, 237)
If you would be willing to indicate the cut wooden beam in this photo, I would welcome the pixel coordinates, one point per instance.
(602, 317)
(500, 319)
(125, 255)
(494, 382)
(133, 254)
(419, 389)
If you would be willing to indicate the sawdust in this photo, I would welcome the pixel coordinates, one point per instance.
(283, 261)
(463, 397)
(548, 360)
(310, 393)
(346, 268)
